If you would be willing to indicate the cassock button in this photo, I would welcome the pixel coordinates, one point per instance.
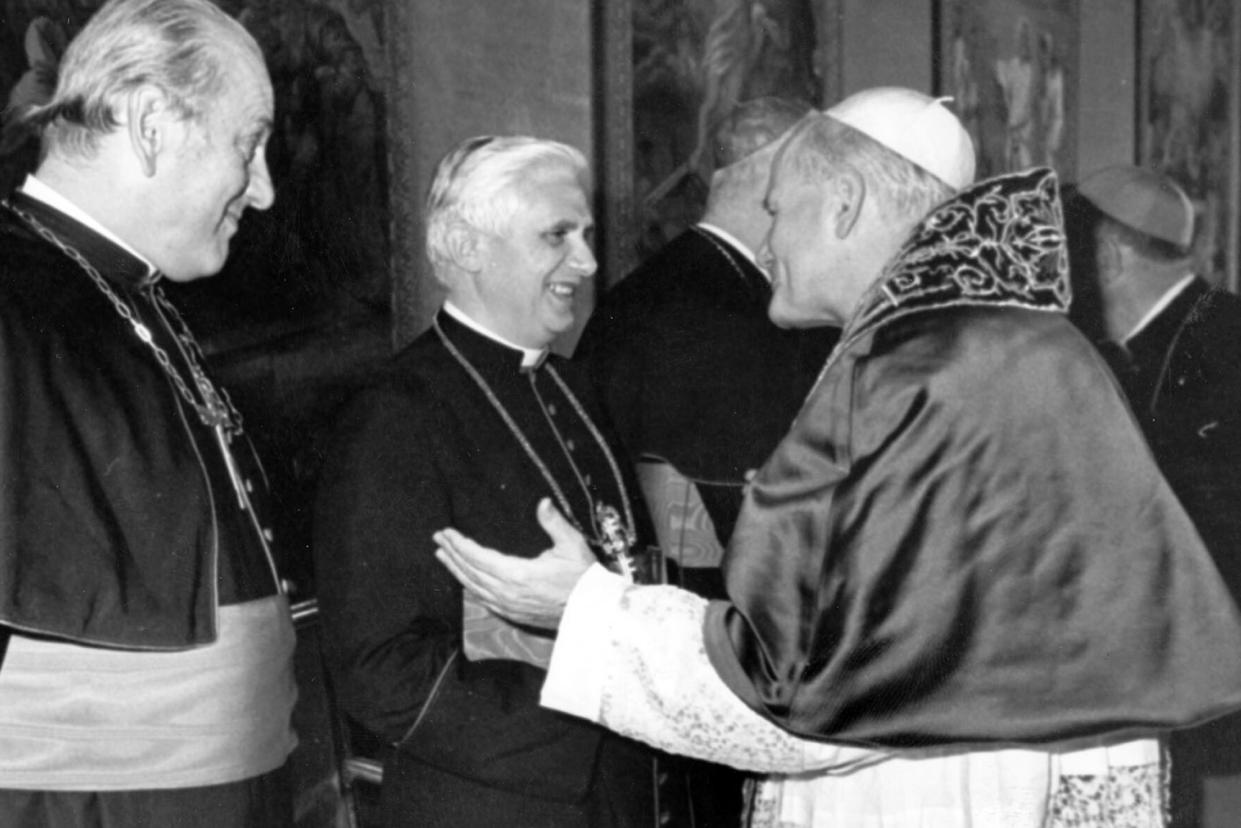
(571, 444)
(249, 486)
(551, 409)
(268, 535)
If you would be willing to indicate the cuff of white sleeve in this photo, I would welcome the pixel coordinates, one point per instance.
(582, 653)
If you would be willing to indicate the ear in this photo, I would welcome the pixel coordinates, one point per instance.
(846, 202)
(148, 118)
(465, 247)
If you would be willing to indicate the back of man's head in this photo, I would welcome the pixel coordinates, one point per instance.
(752, 125)
(173, 44)
(477, 183)
(1143, 209)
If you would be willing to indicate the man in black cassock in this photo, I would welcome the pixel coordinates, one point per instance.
(691, 369)
(476, 423)
(694, 373)
(148, 675)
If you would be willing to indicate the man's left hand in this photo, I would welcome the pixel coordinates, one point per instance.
(530, 591)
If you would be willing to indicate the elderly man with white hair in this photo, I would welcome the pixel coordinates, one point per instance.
(476, 424)
(959, 592)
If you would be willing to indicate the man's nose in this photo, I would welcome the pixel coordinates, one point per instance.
(583, 259)
(260, 193)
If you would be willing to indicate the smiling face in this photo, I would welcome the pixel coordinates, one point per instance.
(216, 172)
(531, 273)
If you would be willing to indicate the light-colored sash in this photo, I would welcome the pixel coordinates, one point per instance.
(87, 718)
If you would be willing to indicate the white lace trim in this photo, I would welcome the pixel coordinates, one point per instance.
(632, 659)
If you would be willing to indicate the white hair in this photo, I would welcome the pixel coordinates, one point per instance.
(820, 145)
(175, 45)
(476, 183)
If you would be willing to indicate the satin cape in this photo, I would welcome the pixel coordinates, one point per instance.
(964, 538)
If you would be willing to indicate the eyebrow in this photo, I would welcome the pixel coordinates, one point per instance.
(569, 224)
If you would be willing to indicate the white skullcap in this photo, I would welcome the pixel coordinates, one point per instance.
(914, 126)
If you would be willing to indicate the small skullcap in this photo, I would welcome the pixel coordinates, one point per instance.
(915, 126)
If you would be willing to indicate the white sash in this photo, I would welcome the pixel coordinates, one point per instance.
(87, 718)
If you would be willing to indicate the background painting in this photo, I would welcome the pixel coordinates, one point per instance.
(692, 61)
(1187, 117)
(1010, 66)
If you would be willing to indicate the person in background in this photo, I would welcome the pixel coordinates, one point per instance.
(959, 592)
(695, 375)
(475, 424)
(1171, 339)
(148, 674)
(690, 367)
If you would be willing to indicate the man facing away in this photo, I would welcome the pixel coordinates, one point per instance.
(690, 367)
(694, 373)
(477, 423)
(959, 592)
(1173, 345)
(148, 674)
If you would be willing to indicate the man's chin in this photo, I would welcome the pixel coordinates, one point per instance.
(783, 316)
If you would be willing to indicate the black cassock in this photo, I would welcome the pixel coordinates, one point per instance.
(422, 451)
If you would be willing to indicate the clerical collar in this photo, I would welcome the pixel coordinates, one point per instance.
(37, 190)
(1158, 308)
(530, 357)
(734, 243)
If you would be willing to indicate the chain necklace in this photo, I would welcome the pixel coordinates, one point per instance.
(614, 538)
(216, 409)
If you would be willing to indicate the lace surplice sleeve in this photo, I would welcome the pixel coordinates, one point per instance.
(632, 659)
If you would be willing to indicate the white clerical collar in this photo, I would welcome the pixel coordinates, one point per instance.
(1158, 307)
(735, 243)
(529, 356)
(36, 189)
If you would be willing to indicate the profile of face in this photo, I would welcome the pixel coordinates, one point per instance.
(217, 172)
(798, 248)
(531, 274)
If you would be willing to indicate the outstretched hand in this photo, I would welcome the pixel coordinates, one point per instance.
(530, 591)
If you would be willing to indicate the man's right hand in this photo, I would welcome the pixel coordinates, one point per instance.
(530, 591)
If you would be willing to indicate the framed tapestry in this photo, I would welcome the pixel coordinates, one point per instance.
(1011, 68)
(691, 61)
(1189, 118)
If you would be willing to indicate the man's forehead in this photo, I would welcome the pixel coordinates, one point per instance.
(557, 196)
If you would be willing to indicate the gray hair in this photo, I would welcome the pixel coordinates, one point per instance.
(171, 44)
(821, 145)
(476, 183)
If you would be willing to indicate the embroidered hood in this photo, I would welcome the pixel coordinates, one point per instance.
(1000, 242)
